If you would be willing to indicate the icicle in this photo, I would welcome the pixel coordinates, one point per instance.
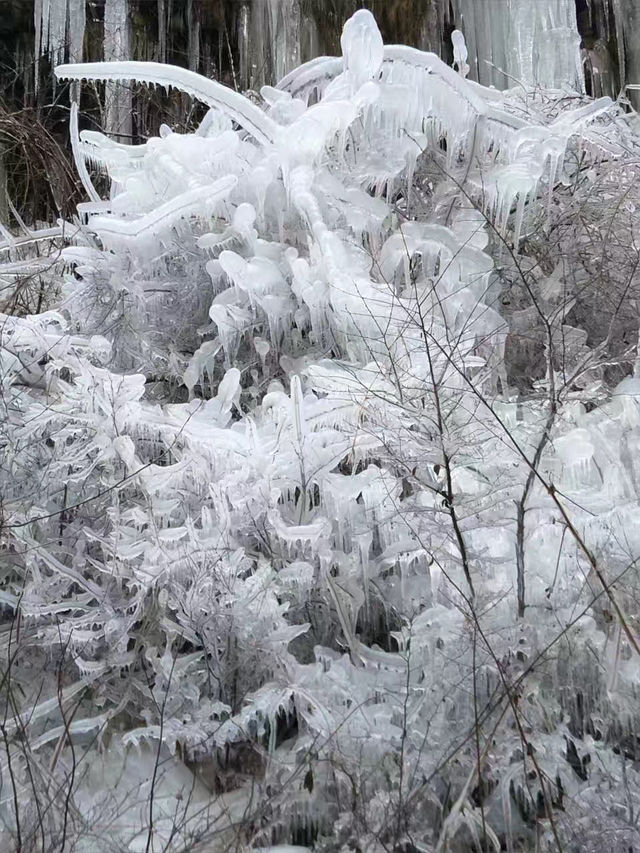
(193, 24)
(162, 30)
(56, 30)
(38, 22)
(297, 406)
(364, 541)
(576, 453)
(284, 21)
(4, 196)
(202, 364)
(244, 44)
(628, 35)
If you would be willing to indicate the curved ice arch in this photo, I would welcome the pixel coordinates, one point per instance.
(239, 108)
(440, 249)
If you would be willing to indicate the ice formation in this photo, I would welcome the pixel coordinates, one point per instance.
(510, 42)
(59, 34)
(270, 489)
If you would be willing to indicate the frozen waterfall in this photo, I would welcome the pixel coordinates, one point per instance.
(520, 41)
(59, 30)
(509, 42)
(116, 46)
(273, 38)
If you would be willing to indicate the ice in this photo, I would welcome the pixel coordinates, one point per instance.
(282, 848)
(76, 22)
(295, 441)
(311, 77)
(576, 452)
(200, 201)
(56, 27)
(514, 184)
(627, 17)
(285, 23)
(79, 156)
(505, 45)
(271, 34)
(299, 539)
(201, 366)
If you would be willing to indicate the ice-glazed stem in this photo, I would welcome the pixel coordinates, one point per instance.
(191, 202)
(318, 73)
(432, 64)
(325, 68)
(311, 74)
(235, 105)
(78, 156)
